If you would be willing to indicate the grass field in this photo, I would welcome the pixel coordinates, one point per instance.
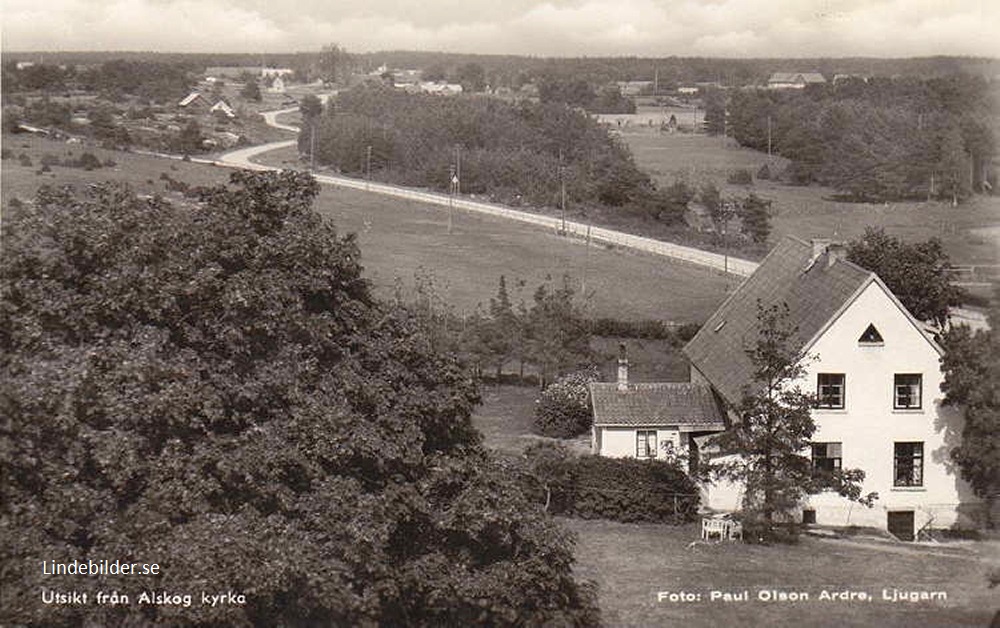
(969, 232)
(397, 237)
(631, 563)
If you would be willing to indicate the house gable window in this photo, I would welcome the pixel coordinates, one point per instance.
(826, 457)
(830, 390)
(645, 443)
(908, 464)
(871, 336)
(907, 391)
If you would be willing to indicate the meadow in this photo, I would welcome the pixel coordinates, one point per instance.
(399, 238)
(632, 563)
(969, 232)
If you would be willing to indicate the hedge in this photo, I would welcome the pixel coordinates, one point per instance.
(618, 489)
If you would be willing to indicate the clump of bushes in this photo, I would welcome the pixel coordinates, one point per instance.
(563, 409)
(741, 177)
(6, 153)
(618, 489)
(24, 160)
(617, 328)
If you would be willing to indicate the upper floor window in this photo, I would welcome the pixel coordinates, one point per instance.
(908, 464)
(906, 391)
(645, 443)
(830, 390)
(871, 336)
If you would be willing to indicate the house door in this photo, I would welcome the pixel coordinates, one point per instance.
(900, 524)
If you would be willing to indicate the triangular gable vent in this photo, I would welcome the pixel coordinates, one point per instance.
(871, 336)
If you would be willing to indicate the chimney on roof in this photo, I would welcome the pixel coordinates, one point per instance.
(819, 245)
(835, 251)
(622, 368)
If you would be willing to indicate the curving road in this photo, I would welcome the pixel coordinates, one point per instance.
(243, 158)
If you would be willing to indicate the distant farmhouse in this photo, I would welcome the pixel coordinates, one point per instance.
(634, 88)
(794, 80)
(873, 367)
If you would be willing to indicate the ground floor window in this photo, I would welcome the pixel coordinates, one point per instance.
(908, 464)
(645, 444)
(826, 457)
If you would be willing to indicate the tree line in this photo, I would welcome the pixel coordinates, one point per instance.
(878, 139)
(523, 154)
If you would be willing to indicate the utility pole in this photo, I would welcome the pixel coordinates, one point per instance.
(452, 186)
(586, 264)
(368, 167)
(769, 139)
(458, 168)
(312, 145)
(562, 186)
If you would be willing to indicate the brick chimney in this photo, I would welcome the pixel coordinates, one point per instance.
(622, 368)
(835, 251)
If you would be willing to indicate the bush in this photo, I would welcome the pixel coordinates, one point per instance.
(741, 177)
(764, 173)
(563, 409)
(617, 328)
(24, 160)
(687, 331)
(6, 153)
(88, 161)
(619, 489)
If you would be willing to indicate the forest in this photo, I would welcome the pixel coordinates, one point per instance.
(523, 154)
(878, 139)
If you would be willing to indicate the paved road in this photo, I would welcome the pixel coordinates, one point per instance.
(243, 158)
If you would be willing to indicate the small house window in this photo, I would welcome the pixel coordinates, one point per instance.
(908, 464)
(871, 336)
(906, 391)
(645, 444)
(826, 457)
(830, 390)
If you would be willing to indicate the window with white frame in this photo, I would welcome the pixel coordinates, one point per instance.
(645, 443)
(906, 391)
(826, 457)
(830, 390)
(908, 464)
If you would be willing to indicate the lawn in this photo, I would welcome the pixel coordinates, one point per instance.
(632, 563)
(398, 237)
(969, 232)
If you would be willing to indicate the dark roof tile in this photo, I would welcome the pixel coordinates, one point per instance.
(656, 404)
(815, 290)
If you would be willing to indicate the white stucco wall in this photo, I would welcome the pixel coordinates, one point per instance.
(868, 426)
(619, 442)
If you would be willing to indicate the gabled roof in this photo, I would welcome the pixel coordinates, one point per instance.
(816, 289)
(190, 98)
(796, 77)
(672, 404)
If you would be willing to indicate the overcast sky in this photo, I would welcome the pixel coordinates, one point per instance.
(726, 28)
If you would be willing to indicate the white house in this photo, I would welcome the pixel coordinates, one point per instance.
(650, 420)
(223, 107)
(876, 373)
(794, 80)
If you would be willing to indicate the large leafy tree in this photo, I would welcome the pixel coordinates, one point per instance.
(916, 273)
(769, 442)
(213, 388)
(971, 365)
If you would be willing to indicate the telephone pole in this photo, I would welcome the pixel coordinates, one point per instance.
(562, 186)
(368, 167)
(769, 139)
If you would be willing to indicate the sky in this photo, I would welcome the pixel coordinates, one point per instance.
(649, 28)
